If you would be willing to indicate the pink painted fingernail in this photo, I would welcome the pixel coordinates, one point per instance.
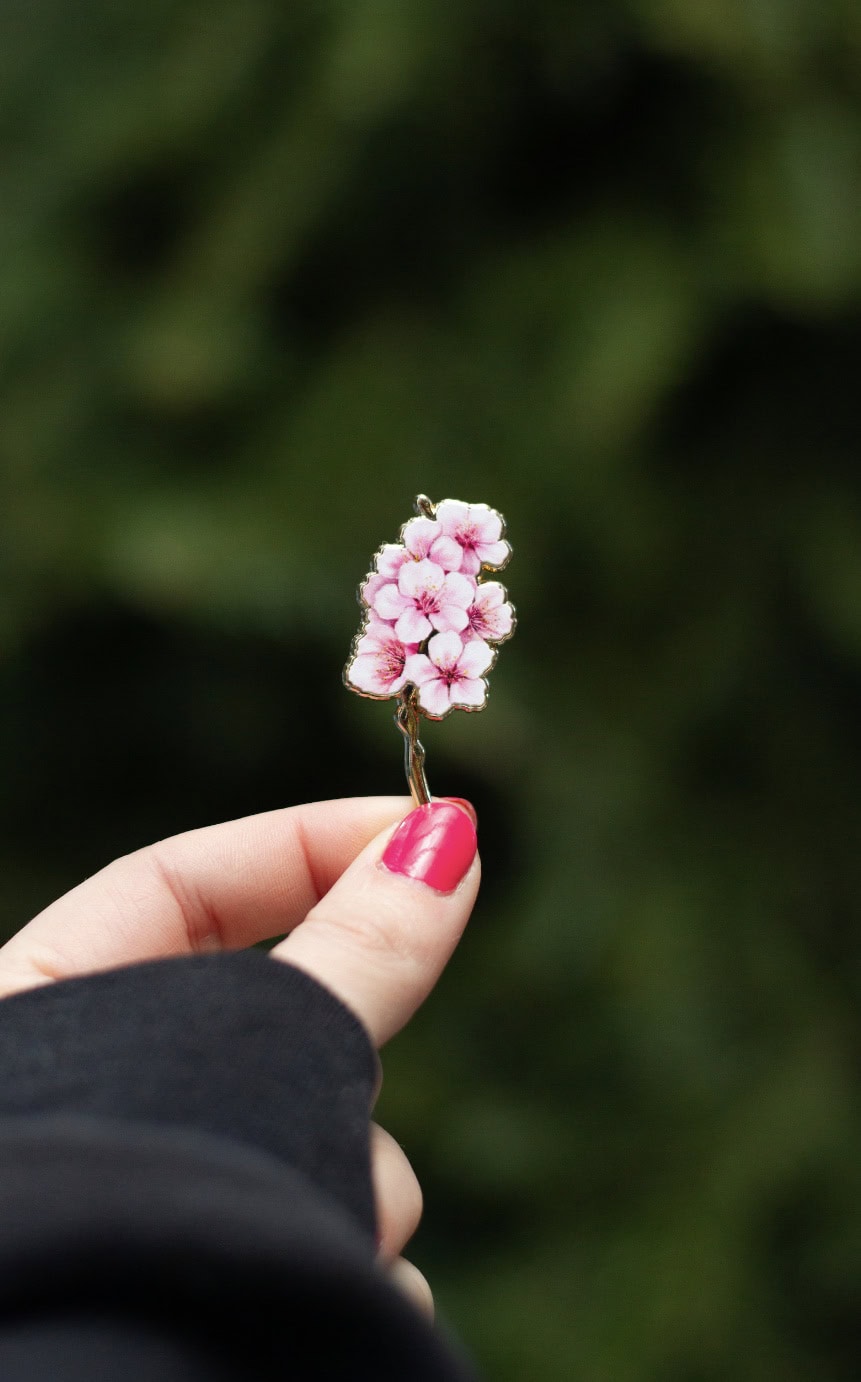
(434, 844)
(466, 806)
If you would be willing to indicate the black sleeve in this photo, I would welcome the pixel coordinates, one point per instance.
(185, 1192)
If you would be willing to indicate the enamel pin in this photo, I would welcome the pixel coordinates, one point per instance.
(431, 624)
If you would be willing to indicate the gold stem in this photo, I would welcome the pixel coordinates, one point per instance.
(407, 721)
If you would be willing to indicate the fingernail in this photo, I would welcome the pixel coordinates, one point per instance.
(466, 806)
(434, 844)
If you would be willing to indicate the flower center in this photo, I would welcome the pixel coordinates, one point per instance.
(395, 657)
(428, 601)
(467, 536)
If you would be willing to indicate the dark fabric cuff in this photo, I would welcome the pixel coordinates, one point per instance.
(141, 1253)
(237, 1046)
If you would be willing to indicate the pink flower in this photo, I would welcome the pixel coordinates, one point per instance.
(424, 537)
(450, 674)
(490, 615)
(425, 598)
(377, 667)
(478, 531)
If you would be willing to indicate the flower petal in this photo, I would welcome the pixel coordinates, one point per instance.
(444, 649)
(418, 669)
(446, 553)
(490, 594)
(500, 622)
(448, 618)
(475, 659)
(486, 521)
(417, 577)
(380, 628)
(469, 691)
(389, 603)
(452, 514)
(494, 554)
(369, 643)
(370, 586)
(470, 562)
(412, 626)
(419, 536)
(390, 559)
(364, 674)
(435, 698)
(458, 590)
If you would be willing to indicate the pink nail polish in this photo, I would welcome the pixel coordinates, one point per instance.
(434, 844)
(466, 806)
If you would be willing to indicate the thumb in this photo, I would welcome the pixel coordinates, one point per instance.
(382, 934)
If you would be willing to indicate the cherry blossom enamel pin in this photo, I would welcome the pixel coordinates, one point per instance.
(431, 624)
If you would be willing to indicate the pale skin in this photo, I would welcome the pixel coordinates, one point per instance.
(375, 939)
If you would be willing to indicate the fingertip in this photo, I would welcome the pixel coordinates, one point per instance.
(466, 806)
(397, 1192)
(434, 845)
(413, 1284)
(381, 936)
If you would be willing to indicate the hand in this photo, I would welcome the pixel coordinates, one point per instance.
(377, 939)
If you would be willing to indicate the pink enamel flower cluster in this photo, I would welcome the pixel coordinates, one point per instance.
(430, 622)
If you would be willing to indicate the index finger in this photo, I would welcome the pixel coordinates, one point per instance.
(224, 886)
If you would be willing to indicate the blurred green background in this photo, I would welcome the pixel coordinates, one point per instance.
(268, 270)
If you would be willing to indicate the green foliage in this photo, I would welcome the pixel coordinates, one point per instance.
(269, 270)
